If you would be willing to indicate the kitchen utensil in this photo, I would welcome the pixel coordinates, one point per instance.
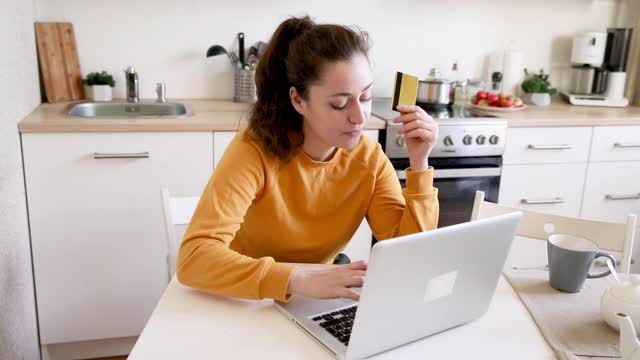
(436, 91)
(216, 50)
(629, 344)
(253, 50)
(622, 298)
(234, 58)
(261, 46)
(252, 61)
(582, 78)
(570, 258)
(241, 49)
(58, 59)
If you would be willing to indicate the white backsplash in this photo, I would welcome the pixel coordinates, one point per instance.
(166, 40)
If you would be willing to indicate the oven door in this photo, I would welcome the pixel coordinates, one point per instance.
(457, 180)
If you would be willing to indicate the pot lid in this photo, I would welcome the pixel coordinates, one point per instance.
(434, 77)
(628, 291)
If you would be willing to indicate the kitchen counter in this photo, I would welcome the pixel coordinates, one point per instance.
(226, 115)
(560, 113)
(208, 115)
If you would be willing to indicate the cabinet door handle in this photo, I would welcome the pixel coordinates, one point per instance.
(550, 147)
(139, 155)
(626, 145)
(622, 197)
(556, 200)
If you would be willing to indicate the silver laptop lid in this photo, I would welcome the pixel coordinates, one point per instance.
(425, 283)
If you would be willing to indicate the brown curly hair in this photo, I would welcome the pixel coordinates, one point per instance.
(295, 56)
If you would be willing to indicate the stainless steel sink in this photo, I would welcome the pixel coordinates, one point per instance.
(96, 110)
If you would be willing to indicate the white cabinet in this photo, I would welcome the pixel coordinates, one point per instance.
(547, 145)
(221, 139)
(615, 143)
(359, 247)
(544, 169)
(548, 188)
(612, 191)
(99, 249)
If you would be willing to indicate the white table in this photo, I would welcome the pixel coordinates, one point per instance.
(190, 324)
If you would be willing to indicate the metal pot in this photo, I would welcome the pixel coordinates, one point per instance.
(436, 91)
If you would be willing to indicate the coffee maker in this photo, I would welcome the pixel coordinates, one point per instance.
(598, 71)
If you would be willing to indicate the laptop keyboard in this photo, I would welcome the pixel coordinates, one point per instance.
(338, 323)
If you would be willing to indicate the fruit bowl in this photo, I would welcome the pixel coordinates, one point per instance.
(498, 109)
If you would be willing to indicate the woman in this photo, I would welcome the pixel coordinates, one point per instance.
(295, 185)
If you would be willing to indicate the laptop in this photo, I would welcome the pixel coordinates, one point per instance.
(416, 285)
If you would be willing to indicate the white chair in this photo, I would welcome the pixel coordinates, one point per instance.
(177, 215)
(609, 236)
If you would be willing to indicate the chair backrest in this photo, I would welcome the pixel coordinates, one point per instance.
(177, 213)
(608, 236)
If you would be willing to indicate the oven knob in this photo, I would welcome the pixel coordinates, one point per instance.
(481, 139)
(447, 141)
(400, 141)
(493, 139)
(467, 140)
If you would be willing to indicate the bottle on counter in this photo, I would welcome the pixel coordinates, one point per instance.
(496, 82)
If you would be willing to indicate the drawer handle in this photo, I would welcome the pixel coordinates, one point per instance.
(556, 200)
(550, 147)
(622, 197)
(140, 155)
(626, 145)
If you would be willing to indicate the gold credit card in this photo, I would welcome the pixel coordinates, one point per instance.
(405, 90)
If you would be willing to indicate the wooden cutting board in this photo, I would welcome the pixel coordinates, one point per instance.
(58, 59)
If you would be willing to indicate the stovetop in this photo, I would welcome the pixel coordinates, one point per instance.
(461, 132)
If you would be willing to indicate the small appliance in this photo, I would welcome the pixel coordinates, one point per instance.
(598, 72)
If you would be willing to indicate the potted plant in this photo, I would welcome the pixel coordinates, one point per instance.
(537, 89)
(98, 86)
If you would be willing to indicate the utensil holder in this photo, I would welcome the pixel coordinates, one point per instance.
(245, 86)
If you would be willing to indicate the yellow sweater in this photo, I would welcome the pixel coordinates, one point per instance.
(256, 214)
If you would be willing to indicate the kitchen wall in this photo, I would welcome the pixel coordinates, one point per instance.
(19, 94)
(166, 39)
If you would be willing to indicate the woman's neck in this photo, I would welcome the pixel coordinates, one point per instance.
(315, 148)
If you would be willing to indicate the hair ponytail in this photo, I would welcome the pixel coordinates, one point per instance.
(294, 57)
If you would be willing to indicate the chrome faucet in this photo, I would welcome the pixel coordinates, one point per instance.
(131, 77)
(161, 91)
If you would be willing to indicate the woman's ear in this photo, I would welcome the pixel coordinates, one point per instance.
(297, 101)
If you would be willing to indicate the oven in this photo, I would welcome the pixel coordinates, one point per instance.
(457, 180)
(466, 158)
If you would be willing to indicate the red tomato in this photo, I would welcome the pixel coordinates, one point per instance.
(506, 102)
(482, 95)
(493, 98)
(495, 103)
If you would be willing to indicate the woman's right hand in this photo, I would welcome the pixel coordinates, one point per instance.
(329, 283)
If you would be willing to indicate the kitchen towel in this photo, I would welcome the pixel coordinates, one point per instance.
(571, 323)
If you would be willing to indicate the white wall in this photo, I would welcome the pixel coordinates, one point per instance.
(166, 39)
(19, 94)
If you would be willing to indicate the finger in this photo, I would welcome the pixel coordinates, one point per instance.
(410, 108)
(418, 124)
(413, 116)
(420, 133)
(355, 281)
(347, 293)
(358, 265)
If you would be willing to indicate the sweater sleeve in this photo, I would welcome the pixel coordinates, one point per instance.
(205, 260)
(394, 211)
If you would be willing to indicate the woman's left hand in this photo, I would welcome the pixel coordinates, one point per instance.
(420, 134)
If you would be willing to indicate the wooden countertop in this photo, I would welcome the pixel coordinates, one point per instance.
(226, 115)
(208, 115)
(560, 113)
